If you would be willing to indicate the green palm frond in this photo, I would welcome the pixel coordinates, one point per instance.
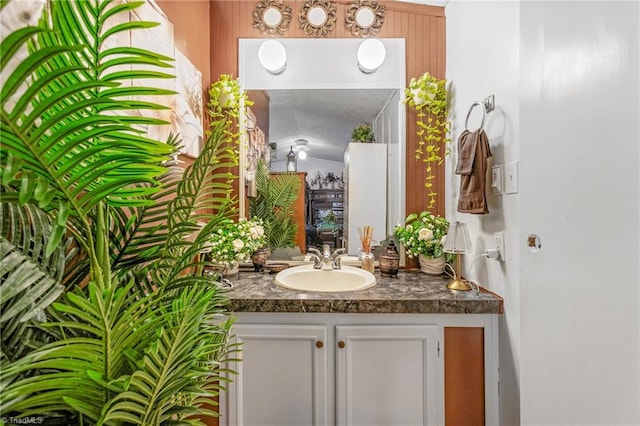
(59, 109)
(184, 356)
(141, 314)
(274, 205)
(109, 326)
(202, 202)
(30, 280)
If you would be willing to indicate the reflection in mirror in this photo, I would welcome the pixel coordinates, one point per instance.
(346, 182)
(364, 18)
(317, 17)
(272, 17)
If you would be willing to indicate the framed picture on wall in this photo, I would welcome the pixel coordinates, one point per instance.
(189, 105)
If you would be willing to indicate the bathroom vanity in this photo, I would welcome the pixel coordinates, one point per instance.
(406, 351)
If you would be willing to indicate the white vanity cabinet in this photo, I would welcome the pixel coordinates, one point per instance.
(347, 369)
(282, 378)
(387, 374)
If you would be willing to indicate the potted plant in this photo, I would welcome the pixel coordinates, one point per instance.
(428, 95)
(96, 219)
(234, 242)
(316, 180)
(330, 179)
(423, 237)
(225, 93)
(273, 206)
(363, 133)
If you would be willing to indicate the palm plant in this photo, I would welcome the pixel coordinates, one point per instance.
(89, 204)
(274, 205)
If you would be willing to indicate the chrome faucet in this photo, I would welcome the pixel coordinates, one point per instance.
(326, 257)
(336, 256)
(315, 254)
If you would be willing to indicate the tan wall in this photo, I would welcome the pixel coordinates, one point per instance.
(423, 28)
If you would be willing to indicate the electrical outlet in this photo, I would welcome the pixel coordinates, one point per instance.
(496, 179)
(499, 240)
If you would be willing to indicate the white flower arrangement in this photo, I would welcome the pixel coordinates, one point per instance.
(423, 234)
(236, 241)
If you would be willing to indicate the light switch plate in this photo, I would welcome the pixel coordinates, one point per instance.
(511, 178)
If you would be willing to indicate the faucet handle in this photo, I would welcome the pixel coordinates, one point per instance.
(338, 252)
(315, 254)
(336, 259)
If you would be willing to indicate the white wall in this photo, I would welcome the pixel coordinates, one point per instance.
(566, 80)
(482, 59)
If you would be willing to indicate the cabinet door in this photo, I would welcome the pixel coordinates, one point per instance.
(387, 375)
(281, 379)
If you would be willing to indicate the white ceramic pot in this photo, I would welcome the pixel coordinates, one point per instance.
(431, 266)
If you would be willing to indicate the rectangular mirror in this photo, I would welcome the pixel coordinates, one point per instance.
(356, 184)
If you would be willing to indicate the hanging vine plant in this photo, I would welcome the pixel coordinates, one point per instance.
(225, 100)
(428, 95)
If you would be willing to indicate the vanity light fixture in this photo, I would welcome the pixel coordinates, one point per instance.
(301, 148)
(371, 54)
(292, 165)
(458, 242)
(273, 56)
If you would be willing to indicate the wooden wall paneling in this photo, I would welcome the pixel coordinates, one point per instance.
(464, 376)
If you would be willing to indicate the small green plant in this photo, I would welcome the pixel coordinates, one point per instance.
(363, 133)
(317, 180)
(227, 94)
(423, 234)
(428, 95)
(329, 178)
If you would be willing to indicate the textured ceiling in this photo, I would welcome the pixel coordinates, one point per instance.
(325, 118)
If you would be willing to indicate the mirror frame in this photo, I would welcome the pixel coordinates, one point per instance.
(271, 30)
(317, 30)
(356, 28)
(329, 63)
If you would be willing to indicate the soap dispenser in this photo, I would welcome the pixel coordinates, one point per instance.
(389, 261)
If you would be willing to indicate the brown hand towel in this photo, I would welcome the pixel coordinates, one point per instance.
(472, 186)
(467, 144)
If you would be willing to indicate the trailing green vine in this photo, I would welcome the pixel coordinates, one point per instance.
(225, 100)
(428, 95)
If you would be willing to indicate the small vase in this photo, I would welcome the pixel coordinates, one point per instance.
(431, 266)
(366, 261)
(259, 258)
(226, 269)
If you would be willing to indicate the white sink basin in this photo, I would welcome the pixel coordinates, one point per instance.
(306, 278)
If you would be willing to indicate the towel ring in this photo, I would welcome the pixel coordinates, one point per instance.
(466, 122)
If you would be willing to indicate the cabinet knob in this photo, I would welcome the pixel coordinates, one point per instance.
(319, 344)
(341, 344)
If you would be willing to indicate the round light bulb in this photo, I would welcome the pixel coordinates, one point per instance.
(371, 54)
(302, 155)
(273, 56)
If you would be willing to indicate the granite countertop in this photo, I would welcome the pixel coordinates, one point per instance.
(411, 292)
